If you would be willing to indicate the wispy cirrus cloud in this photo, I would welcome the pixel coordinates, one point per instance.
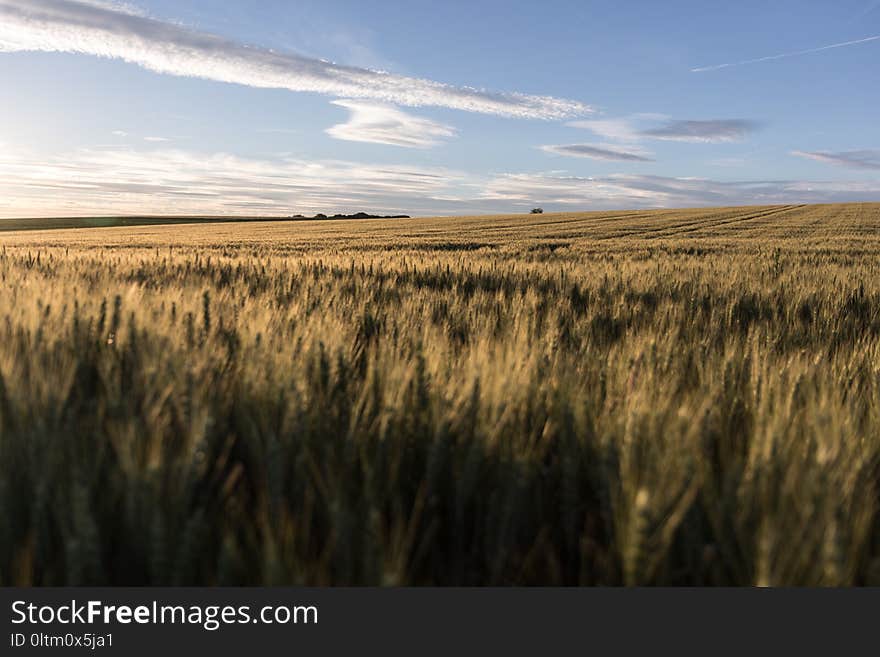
(101, 30)
(598, 152)
(644, 191)
(380, 123)
(173, 181)
(183, 182)
(785, 55)
(710, 131)
(116, 5)
(640, 127)
(863, 159)
(619, 129)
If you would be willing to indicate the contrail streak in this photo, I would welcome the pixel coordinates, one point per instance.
(798, 53)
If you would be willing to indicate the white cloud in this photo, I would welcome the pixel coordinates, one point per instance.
(108, 182)
(716, 130)
(599, 152)
(640, 127)
(639, 191)
(864, 159)
(115, 5)
(380, 123)
(174, 181)
(77, 27)
(156, 139)
(617, 129)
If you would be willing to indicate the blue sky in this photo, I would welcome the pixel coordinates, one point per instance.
(235, 107)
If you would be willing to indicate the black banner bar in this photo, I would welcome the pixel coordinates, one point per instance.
(412, 621)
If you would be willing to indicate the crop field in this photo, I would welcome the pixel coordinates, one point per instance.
(679, 397)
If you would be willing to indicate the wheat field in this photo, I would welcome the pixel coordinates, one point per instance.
(681, 397)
